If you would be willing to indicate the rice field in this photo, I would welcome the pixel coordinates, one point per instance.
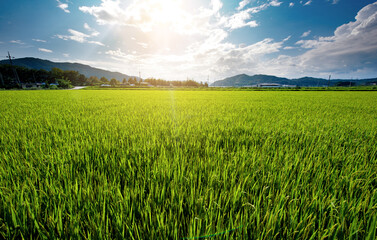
(164, 164)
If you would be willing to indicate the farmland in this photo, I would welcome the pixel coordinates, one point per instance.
(155, 164)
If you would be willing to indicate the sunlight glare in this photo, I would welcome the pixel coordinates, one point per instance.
(151, 15)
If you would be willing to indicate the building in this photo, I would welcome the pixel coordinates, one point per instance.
(273, 85)
(33, 85)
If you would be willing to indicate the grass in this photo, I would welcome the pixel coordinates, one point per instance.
(156, 164)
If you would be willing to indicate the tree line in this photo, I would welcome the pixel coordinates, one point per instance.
(15, 76)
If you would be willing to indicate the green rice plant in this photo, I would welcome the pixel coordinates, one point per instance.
(165, 164)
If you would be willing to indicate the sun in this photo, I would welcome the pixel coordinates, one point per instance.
(166, 11)
(152, 15)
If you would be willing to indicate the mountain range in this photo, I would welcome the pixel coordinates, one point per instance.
(241, 80)
(36, 63)
(244, 80)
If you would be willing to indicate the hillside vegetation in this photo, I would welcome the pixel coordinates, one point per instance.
(243, 80)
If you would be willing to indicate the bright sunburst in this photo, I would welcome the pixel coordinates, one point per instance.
(151, 15)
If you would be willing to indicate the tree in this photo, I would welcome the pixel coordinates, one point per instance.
(64, 83)
(124, 81)
(73, 76)
(57, 73)
(132, 80)
(104, 80)
(113, 82)
(93, 80)
(82, 80)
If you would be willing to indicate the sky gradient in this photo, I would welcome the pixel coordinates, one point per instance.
(198, 39)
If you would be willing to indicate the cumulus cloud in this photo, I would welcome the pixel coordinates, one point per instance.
(216, 5)
(305, 34)
(200, 33)
(150, 15)
(239, 20)
(63, 6)
(350, 51)
(78, 37)
(353, 45)
(214, 57)
(45, 50)
(207, 50)
(291, 4)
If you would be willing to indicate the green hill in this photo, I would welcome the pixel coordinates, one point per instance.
(244, 80)
(36, 63)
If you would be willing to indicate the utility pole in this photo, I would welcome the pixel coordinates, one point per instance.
(14, 69)
(10, 59)
(328, 84)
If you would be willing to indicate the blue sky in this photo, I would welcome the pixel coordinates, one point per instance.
(176, 39)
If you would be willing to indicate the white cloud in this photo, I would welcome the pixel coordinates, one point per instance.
(216, 5)
(275, 3)
(39, 40)
(75, 36)
(353, 45)
(97, 43)
(291, 4)
(152, 15)
(334, 1)
(243, 4)
(239, 20)
(87, 27)
(63, 6)
(200, 46)
(287, 38)
(143, 45)
(45, 50)
(78, 37)
(195, 41)
(66, 55)
(350, 51)
(305, 34)
(94, 32)
(17, 42)
(308, 3)
(213, 57)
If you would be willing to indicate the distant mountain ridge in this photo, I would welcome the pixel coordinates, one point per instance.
(36, 63)
(244, 80)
